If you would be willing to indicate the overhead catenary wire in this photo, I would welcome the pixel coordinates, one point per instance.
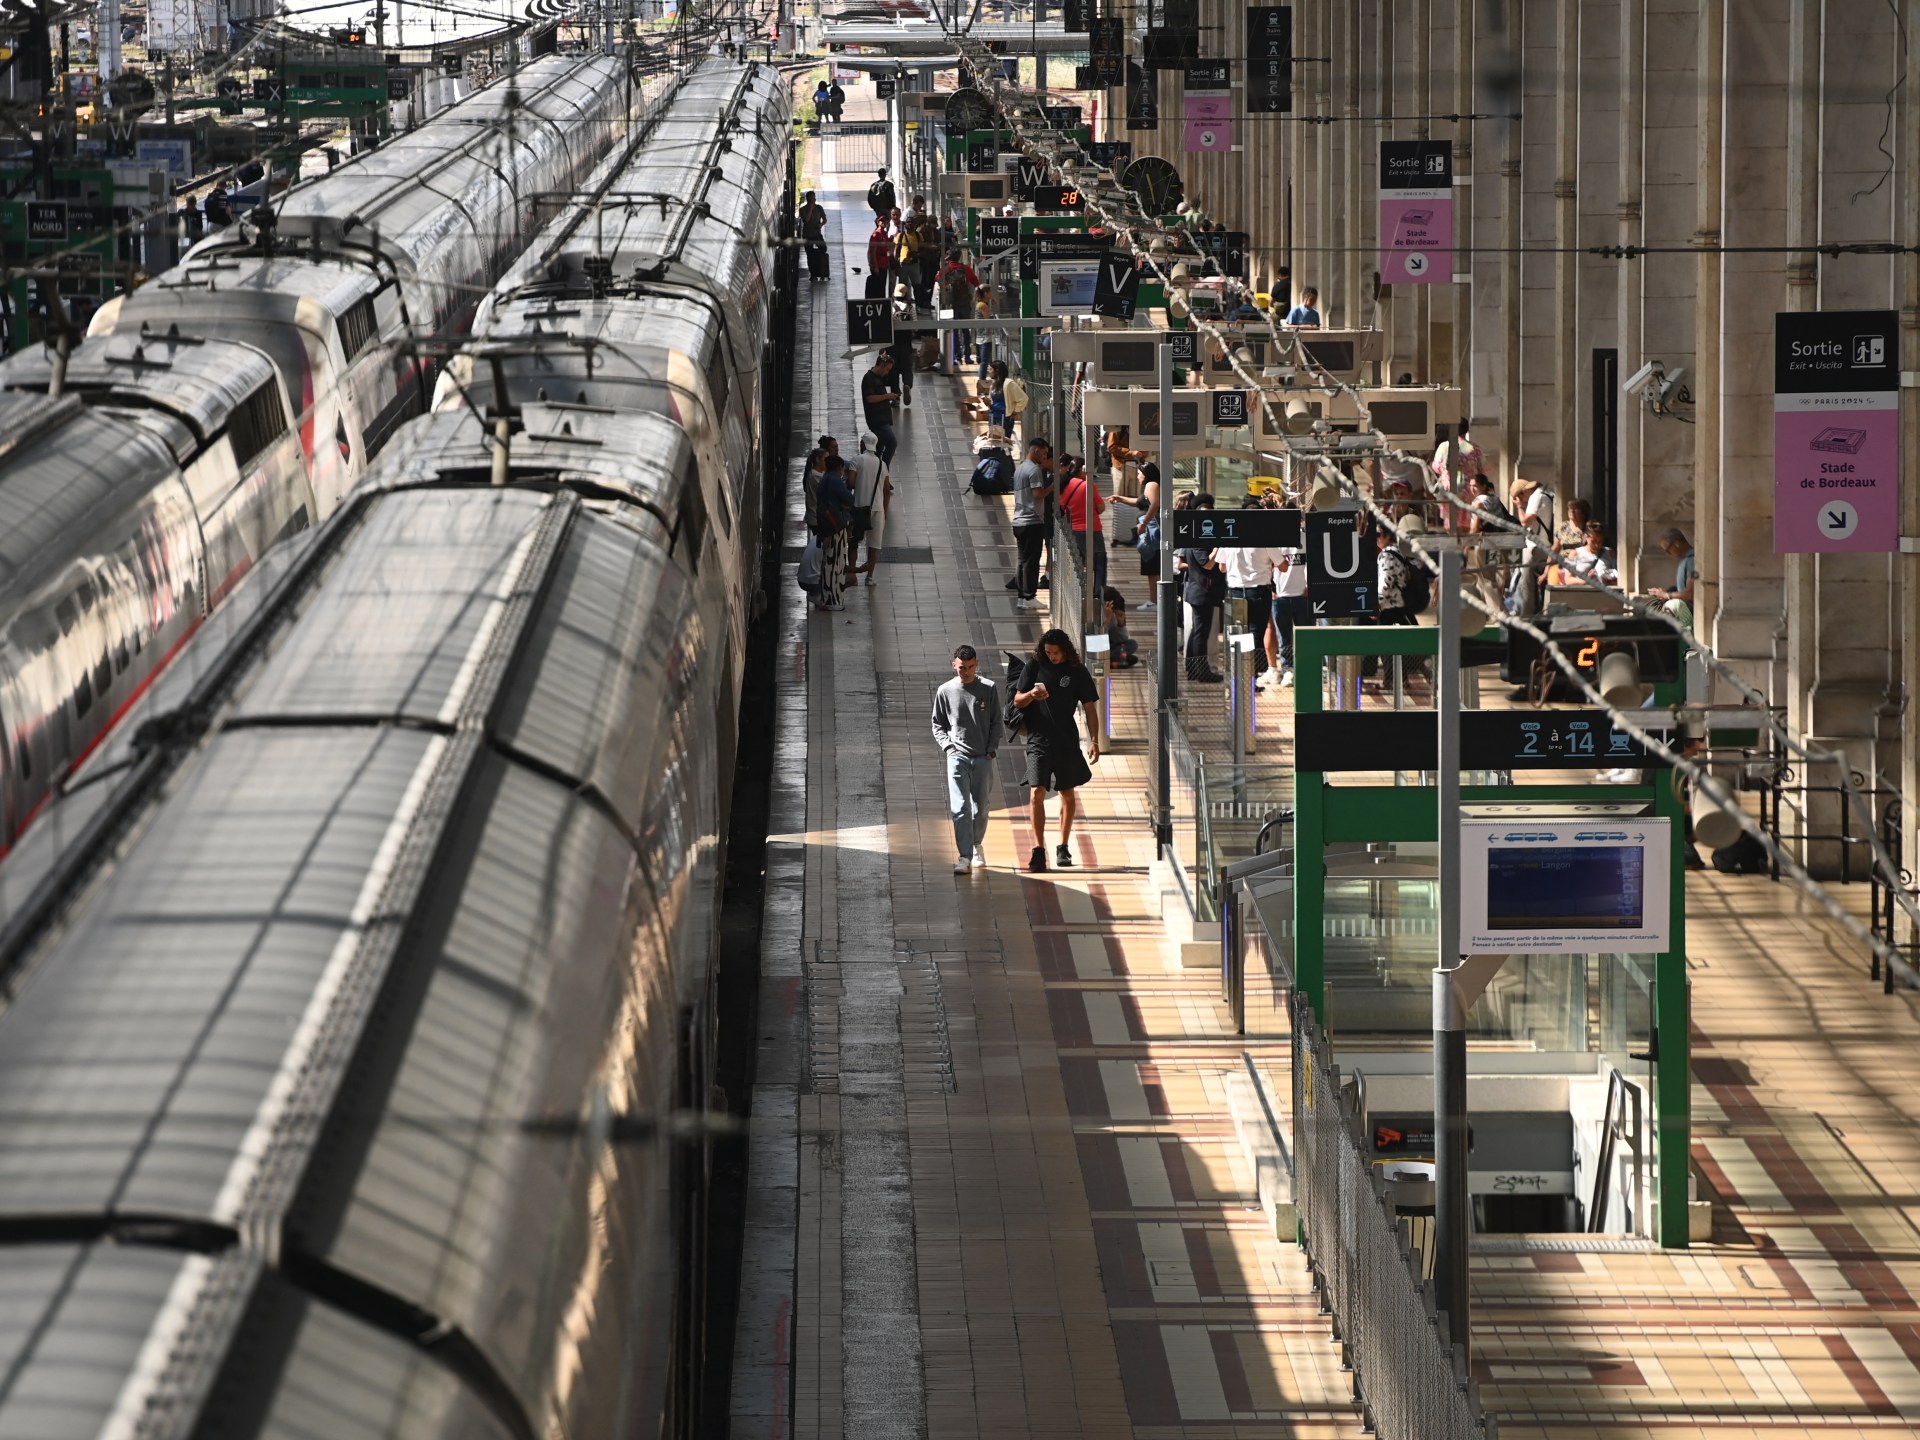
(1134, 231)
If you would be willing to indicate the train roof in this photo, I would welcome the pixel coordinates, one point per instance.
(195, 380)
(293, 1016)
(63, 469)
(686, 203)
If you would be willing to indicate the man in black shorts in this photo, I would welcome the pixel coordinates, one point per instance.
(1053, 683)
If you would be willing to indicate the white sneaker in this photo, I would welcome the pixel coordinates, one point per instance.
(1146, 605)
(1286, 679)
(962, 865)
(979, 860)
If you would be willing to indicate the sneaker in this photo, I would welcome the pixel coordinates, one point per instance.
(870, 582)
(1286, 679)
(1037, 861)
(906, 397)
(979, 860)
(962, 865)
(1146, 605)
(1043, 583)
(1026, 603)
(1063, 857)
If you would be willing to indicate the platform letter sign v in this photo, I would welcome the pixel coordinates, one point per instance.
(1117, 287)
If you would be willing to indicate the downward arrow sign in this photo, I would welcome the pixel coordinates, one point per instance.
(1319, 607)
(1836, 521)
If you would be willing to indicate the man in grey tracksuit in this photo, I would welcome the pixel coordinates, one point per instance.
(966, 727)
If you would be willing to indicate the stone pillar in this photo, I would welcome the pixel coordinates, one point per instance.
(1804, 75)
(1512, 432)
(1908, 269)
(1566, 263)
(1709, 88)
(1853, 703)
(1422, 56)
(1747, 573)
(1354, 272)
(1463, 135)
(1670, 175)
(1633, 92)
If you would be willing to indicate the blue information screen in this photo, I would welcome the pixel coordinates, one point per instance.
(1597, 887)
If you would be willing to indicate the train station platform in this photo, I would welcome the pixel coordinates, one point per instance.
(995, 1185)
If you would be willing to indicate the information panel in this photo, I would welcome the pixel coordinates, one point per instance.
(1278, 528)
(1565, 886)
(1836, 431)
(1269, 59)
(1416, 212)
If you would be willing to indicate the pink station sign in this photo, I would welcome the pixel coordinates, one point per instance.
(1836, 431)
(1416, 212)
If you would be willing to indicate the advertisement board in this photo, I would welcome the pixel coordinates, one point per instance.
(1576, 886)
(1836, 431)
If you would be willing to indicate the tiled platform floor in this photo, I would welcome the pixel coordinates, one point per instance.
(993, 1104)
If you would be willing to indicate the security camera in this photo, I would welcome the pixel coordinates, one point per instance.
(1637, 381)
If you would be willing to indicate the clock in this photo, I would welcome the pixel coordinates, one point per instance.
(1155, 185)
(968, 109)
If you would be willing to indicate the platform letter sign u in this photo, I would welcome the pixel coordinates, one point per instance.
(1339, 579)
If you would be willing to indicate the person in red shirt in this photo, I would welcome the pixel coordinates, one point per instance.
(879, 259)
(1078, 494)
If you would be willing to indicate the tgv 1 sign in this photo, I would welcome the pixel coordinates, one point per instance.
(1836, 431)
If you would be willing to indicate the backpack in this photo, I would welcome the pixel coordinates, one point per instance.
(878, 191)
(993, 474)
(1495, 509)
(1417, 588)
(1031, 721)
(1745, 856)
(879, 250)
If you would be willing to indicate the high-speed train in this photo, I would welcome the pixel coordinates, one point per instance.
(358, 1012)
(133, 499)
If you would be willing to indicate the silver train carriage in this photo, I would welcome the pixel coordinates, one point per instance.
(129, 507)
(187, 479)
(400, 243)
(348, 1025)
(652, 293)
(350, 993)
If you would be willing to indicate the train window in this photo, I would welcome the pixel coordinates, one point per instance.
(258, 421)
(23, 758)
(83, 694)
(103, 674)
(358, 328)
(67, 613)
(717, 382)
(692, 523)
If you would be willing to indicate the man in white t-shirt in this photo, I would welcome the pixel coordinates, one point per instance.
(1250, 578)
(1291, 608)
(1533, 503)
(872, 485)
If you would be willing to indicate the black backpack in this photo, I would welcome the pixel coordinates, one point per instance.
(1417, 588)
(1018, 721)
(992, 474)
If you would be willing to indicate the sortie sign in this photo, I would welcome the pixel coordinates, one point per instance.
(1836, 431)
(1416, 212)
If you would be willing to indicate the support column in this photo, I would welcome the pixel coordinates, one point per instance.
(1510, 427)
(1631, 540)
(1303, 34)
(1908, 271)
(1710, 71)
(1322, 262)
(1354, 273)
(1463, 136)
(1803, 294)
(1566, 263)
(1422, 129)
